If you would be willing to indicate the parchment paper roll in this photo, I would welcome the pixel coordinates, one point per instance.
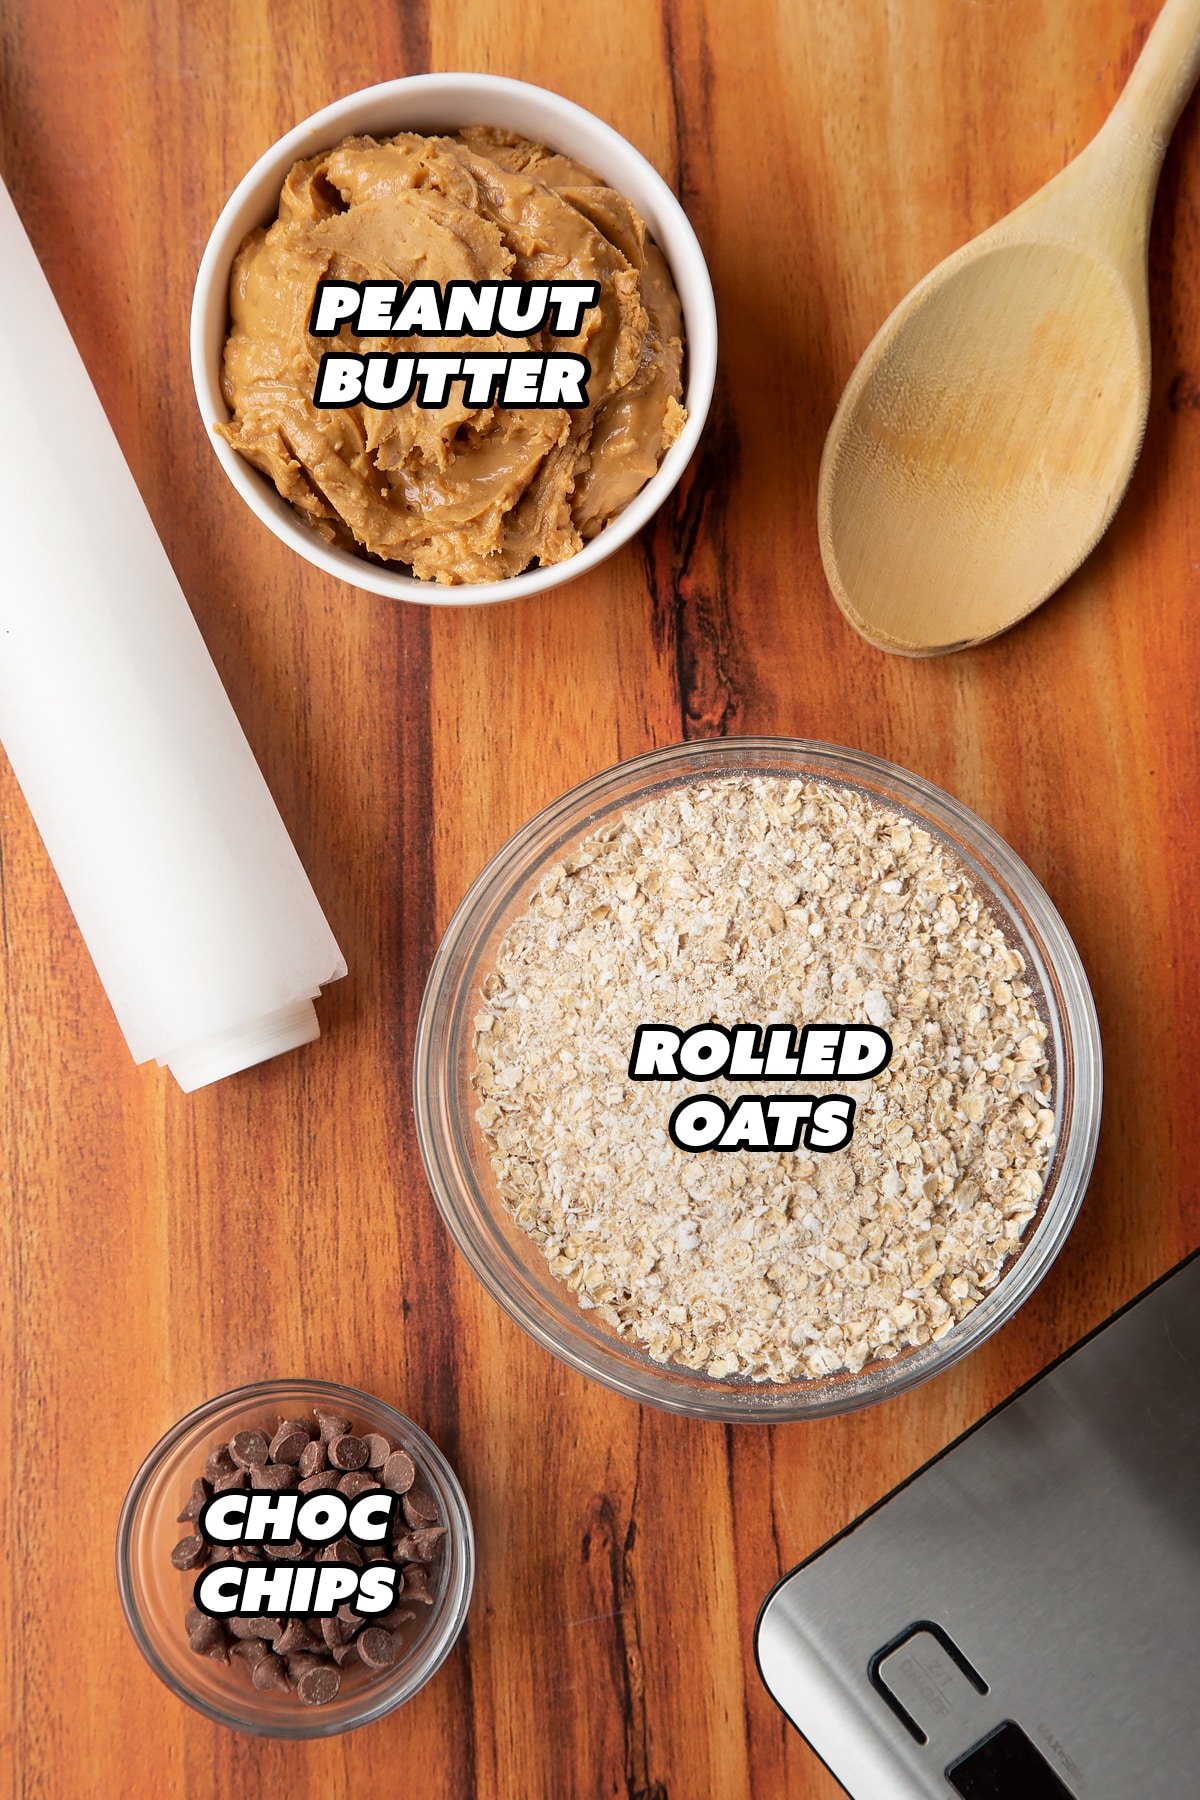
(187, 889)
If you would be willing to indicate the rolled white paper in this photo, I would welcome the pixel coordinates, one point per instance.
(186, 887)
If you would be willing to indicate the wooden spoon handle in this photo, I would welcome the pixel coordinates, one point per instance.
(1164, 75)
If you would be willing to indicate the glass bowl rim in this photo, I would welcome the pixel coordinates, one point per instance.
(387, 1695)
(1071, 1014)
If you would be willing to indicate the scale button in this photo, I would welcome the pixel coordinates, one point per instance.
(928, 1681)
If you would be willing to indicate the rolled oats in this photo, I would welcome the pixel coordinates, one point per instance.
(766, 900)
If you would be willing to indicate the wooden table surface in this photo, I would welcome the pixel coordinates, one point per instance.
(160, 1248)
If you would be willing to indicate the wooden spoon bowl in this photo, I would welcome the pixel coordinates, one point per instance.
(988, 434)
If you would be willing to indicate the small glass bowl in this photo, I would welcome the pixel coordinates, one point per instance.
(512, 1267)
(155, 1596)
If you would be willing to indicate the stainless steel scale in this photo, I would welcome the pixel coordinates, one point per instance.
(1021, 1619)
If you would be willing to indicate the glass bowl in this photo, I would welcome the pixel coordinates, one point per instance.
(155, 1596)
(509, 1263)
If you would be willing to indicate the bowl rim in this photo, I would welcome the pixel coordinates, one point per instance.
(673, 232)
(308, 1723)
(1069, 1009)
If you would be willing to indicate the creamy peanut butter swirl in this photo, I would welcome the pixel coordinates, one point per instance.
(462, 494)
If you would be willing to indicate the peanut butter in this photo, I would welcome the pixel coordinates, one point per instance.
(460, 494)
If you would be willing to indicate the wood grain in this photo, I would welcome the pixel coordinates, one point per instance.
(160, 1248)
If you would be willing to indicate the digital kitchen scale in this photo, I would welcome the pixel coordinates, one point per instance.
(1021, 1619)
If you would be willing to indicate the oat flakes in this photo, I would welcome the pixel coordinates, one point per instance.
(766, 900)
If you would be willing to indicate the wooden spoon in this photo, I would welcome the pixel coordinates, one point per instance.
(985, 439)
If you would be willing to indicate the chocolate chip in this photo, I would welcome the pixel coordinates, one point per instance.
(209, 1639)
(228, 1484)
(200, 1494)
(376, 1647)
(313, 1458)
(399, 1472)
(419, 1507)
(303, 1663)
(416, 1585)
(346, 1452)
(344, 1653)
(189, 1553)
(269, 1672)
(398, 1616)
(219, 1463)
(193, 1618)
(258, 1627)
(342, 1550)
(249, 1449)
(289, 1449)
(378, 1449)
(289, 1442)
(355, 1483)
(251, 1651)
(331, 1425)
(295, 1637)
(286, 1552)
(420, 1546)
(273, 1478)
(306, 1427)
(319, 1687)
(321, 1482)
(334, 1632)
(204, 1633)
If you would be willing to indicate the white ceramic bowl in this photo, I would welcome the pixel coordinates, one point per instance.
(444, 103)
